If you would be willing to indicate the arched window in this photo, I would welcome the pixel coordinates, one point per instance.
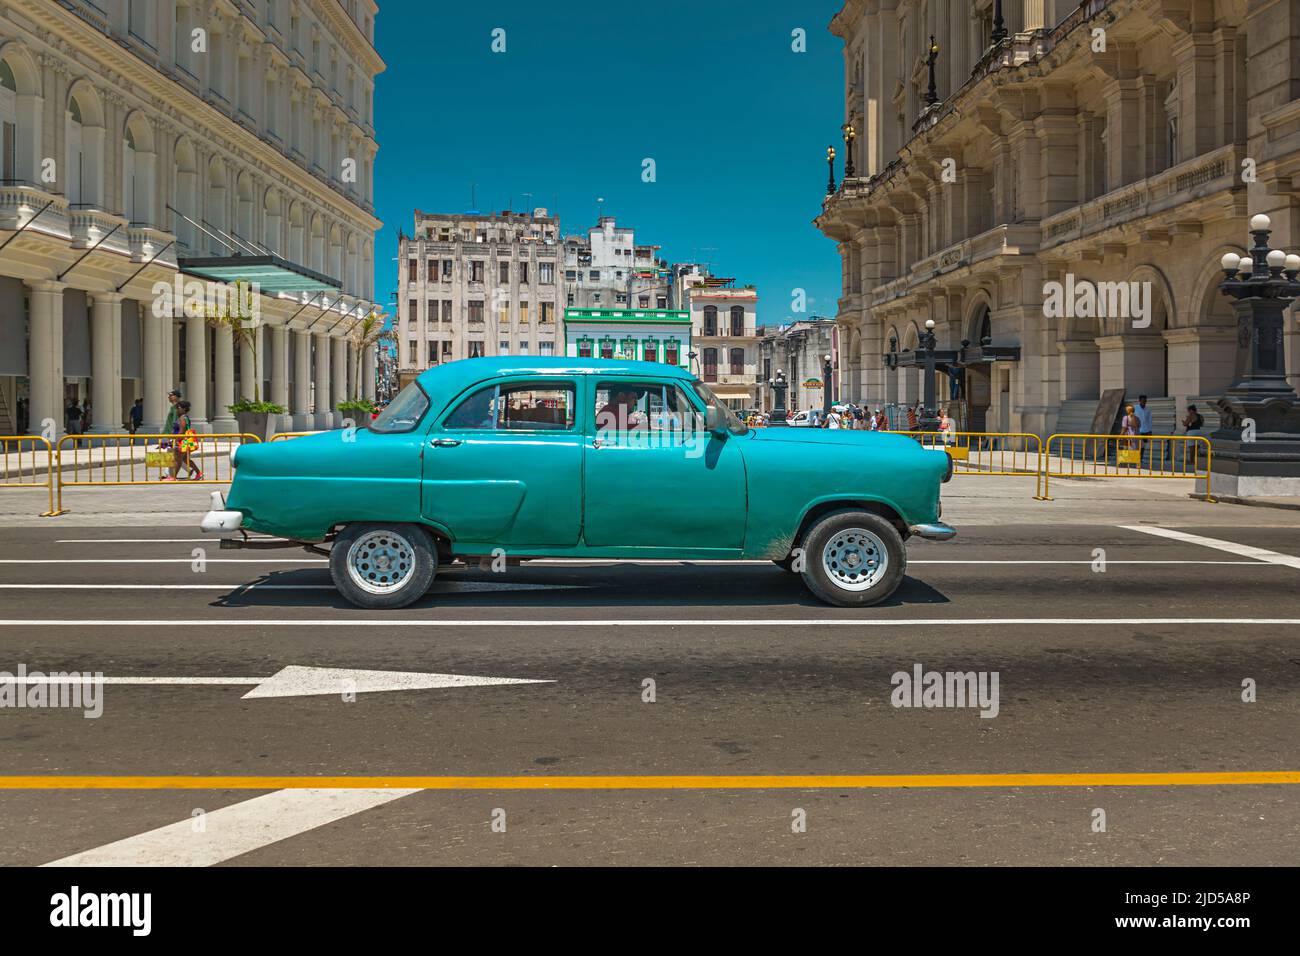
(76, 171)
(8, 123)
(737, 320)
(186, 202)
(271, 221)
(138, 164)
(215, 213)
(710, 320)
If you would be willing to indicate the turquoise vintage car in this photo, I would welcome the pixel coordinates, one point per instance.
(589, 458)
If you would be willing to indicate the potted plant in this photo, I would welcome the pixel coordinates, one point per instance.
(357, 410)
(255, 417)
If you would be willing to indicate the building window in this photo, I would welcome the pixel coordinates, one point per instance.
(671, 354)
(595, 275)
(547, 312)
(710, 320)
(433, 353)
(569, 298)
(474, 349)
(503, 347)
(412, 271)
(446, 270)
(650, 351)
(476, 270)
(446, 311)
(523, 348)
(710, 365)
(607, 348)
(523, 313)
(412, 353)
(476, 311)
(661, 302)
(503, 273)
(446, 351)
(412, 311)
(546, 273)
(546, 348)
(737, 321)
(523, 273)
(737, 362)
(503, 313)
(584, 348)
(643, 302)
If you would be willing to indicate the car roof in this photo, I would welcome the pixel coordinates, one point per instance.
(453, 377)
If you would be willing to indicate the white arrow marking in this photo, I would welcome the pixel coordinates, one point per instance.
(296, 681)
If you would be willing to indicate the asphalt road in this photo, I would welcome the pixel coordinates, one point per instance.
(1134, 669)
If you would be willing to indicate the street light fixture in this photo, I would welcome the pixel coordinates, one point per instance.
(828, 375)
(830, 175)
(929, 420)
(779, 412)
(850, 134)
(1257, 446)
(931, 93)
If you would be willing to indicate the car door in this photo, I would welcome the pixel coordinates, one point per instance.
(503, 466)
(653, 478)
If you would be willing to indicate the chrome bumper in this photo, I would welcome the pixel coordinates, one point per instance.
(937, 531)
(219, 519)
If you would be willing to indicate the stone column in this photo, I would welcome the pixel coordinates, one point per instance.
(279, 345)
(223, 384)
(45, 358)
(321, 391)
(368, 373)
(250, 375)
(156, 383)
(106, 363)
(196, 371)
(339, 392)
(302, 417)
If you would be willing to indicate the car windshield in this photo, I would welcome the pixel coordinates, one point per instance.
(404, 412)
(734, 424)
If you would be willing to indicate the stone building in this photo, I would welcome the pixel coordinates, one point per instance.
(471, 285)
(1061, 208)
(799, 350)
(724, 325)
(229, 140)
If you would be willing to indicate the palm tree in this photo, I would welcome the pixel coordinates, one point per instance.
(242, 321)
(365, 333)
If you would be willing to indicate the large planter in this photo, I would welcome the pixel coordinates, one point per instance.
(260, 424)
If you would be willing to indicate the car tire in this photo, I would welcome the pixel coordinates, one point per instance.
(383, 566)
(854, 559)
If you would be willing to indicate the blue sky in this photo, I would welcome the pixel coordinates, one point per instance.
(736, 123)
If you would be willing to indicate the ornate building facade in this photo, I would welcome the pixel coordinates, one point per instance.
(226, 140)
(1116, 146)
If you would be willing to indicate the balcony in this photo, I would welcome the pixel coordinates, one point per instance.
(20, 202)
(91, 227)
(151, 245)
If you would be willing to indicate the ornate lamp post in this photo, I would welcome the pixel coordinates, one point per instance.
(830, 175)
(850, 134)
(828, 376)
(1257, 446)
(931, 93)
(929, 418)
(999, 25)
(779, 412)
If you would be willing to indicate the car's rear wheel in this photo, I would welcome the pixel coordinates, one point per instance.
(854, 559)
(383, 566)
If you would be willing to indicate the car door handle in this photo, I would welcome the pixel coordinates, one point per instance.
(445, 442)
(596, 442)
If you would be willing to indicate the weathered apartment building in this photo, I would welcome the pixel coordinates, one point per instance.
(471, 285)
(1110, 141)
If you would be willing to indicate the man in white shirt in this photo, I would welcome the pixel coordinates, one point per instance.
(1143, 416)
(833, 419)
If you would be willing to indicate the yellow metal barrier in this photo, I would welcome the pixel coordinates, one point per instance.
(107, 460)
(24, 456)
(1018, 454)
(1126, 456)
(282, 436)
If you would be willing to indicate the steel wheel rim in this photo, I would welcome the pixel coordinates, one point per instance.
(855, 559)
(380, 562)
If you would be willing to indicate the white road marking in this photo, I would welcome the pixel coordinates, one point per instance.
(438, 587)
(164, 560)
(647, 622)
(1243, 550)
(207, 540)
(235, 830)
(298, 681)
(574, 563)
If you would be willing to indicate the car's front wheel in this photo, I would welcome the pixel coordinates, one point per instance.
(853, 559)
(383, 566)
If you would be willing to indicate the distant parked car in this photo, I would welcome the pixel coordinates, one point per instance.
(800, 420)
(549, 457)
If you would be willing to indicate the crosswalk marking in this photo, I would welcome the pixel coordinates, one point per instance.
(1241, 550)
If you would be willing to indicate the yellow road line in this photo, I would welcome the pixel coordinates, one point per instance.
(650, 782)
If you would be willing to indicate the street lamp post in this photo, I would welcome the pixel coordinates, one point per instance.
(1257, 446)
(828, 375)
(929, 419)
(850, 134)
(830, 166)
(999, 25)
(779, 412)
(932, 93)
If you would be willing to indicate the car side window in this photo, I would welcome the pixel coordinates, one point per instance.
(531, 406)
(627, 406)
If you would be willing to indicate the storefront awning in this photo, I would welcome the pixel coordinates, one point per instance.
(271, 274)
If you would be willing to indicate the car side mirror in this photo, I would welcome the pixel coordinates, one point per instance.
(714, 420)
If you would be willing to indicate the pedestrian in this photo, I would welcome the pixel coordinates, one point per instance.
(912, 420)
(173, 397)
(72, 418)
(947, 427)
(185, 445)
(833, 420)
(1128, 425)
(137, 415)
(86, 420)
(1193, 421)
(882, 420)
